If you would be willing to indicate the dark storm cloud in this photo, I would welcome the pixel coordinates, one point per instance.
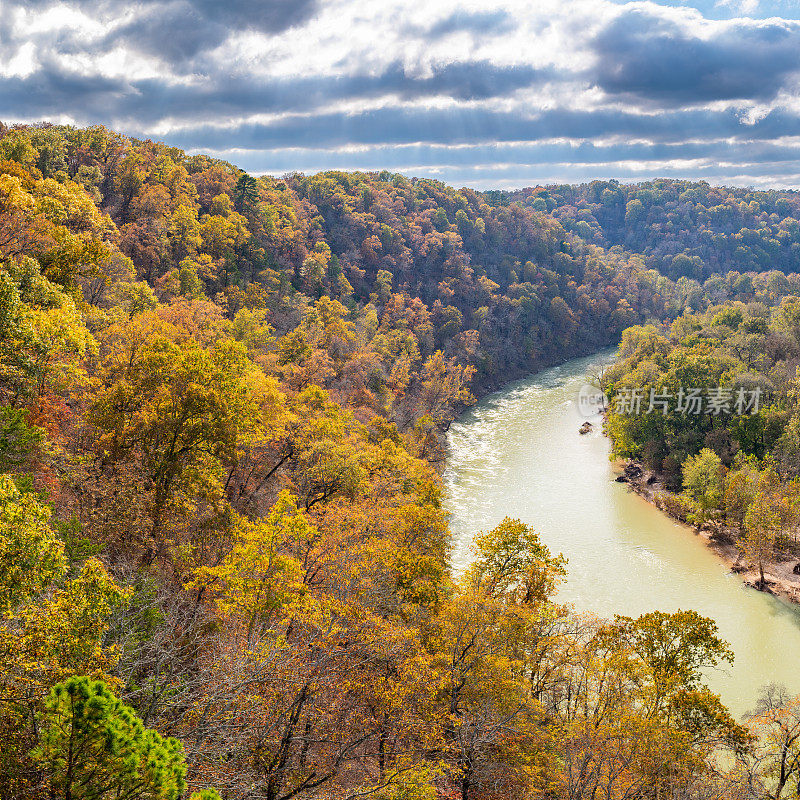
(50, 90)
(178, 30)
(655, 60)
(397, 126)
(176, 33)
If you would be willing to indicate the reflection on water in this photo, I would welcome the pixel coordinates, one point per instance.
(518, 454)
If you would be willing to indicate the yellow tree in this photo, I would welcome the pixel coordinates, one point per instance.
(493, 725)
(762, 526)
(262, 574)
(175, 410)
(31, 555)
(49, 628)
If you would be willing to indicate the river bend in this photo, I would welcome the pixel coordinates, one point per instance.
(517, 453)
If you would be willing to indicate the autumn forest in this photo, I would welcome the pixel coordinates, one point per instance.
(224, 559)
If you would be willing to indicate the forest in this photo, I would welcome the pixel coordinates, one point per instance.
(682, 228)
(224, 559)
(729, 468)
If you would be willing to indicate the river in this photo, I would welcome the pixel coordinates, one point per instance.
(518, 453)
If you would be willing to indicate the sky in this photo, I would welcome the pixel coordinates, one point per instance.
(483, 94)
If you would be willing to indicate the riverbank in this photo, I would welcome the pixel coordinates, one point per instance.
(781, 581)
(517, 453)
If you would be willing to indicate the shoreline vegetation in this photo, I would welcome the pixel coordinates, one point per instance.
(780, 578)
(706, 412)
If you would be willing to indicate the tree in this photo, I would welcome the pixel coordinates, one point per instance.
(42, 335)
(776, 718)
(48, 632)
(741, 487)
(93, 747)
(176, 411)
(762, 525)
(185, 232)
(31, 555)
(262, 573)
(512, 562)
(674, 650)
(483, 635)
(16, 146)
(703, 481)
(245, 193)
(633, 717)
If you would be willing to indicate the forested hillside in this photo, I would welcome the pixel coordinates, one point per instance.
(223, 554)
(683, 228)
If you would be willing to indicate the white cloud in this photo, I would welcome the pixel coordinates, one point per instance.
(480, 66)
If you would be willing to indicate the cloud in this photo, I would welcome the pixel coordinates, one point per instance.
(497, 91)
(460, 126)
(508, 167)
(173, 32)
(522, 155)
(178, 30)
(740, 6)
(52, 89)
(477, 22)
(654, 59)
(266, 15)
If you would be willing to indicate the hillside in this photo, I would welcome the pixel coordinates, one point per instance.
(682, 228)
(223, 552)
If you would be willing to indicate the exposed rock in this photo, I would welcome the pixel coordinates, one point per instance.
(762, 587)
(621, 479)
(796, 569)
(585, 428)
(633, 471)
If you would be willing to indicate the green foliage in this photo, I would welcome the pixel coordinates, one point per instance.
(31, 555)
(703, 479)
(18, 439)
(245, 192)
(93, 747)
(712, 229)
(738, 463)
